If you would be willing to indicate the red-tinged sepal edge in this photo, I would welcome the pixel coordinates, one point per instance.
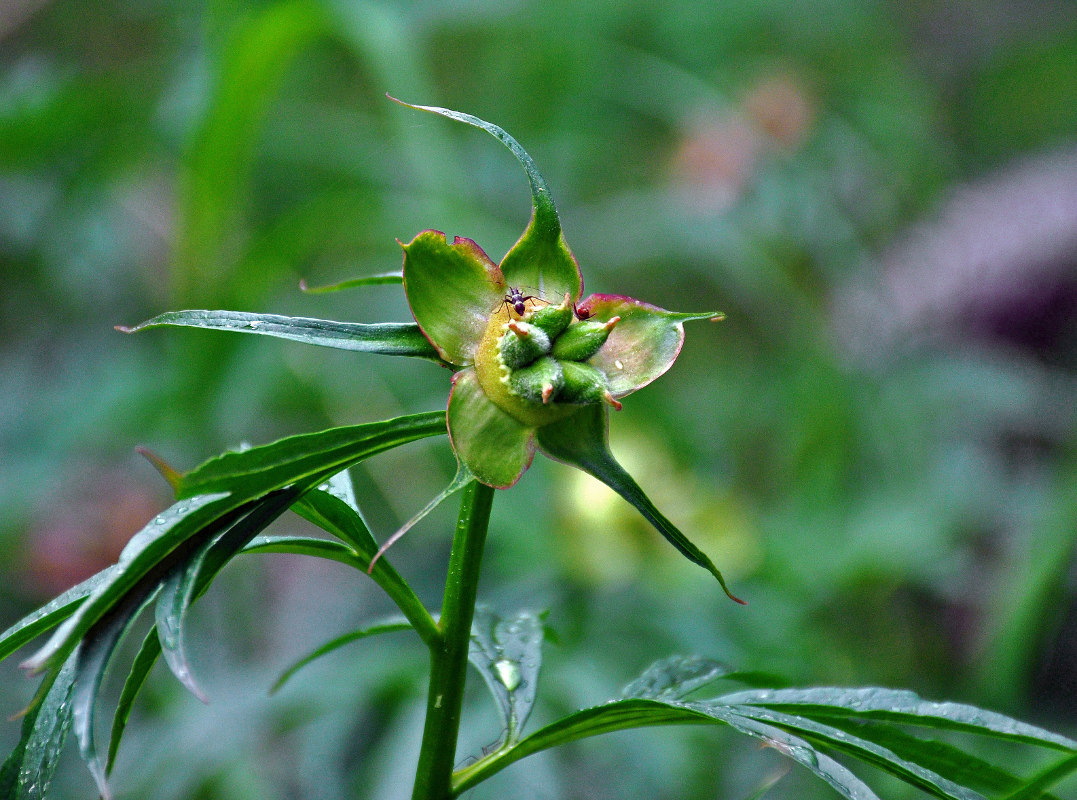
(644, 343)
(493, 444)
(582, 441)
(452, 289)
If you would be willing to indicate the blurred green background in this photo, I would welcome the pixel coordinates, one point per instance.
(877, 446)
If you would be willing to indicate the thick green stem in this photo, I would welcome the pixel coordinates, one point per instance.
(448, 660)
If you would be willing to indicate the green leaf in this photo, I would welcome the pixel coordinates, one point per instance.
(869, 752)
(28, 771)
(95, 653)
(675, 677)
(540, 259)
(338, 517)
(305, 546)
(49, 615)
(259, 470)
(387, 338)
(180, 587)
(582, 441)
(1046, 778)
(941, 757)
(644, 343)
(452, 290)
(335, 644)
(493, 445)
(508, 653)
(140, 669)
(641, 712)
(899, 706)
(370, 280)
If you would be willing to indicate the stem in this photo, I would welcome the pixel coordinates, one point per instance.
(448, 658)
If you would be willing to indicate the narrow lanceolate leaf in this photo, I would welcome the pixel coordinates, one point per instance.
(867, 751)
(902, 707)
(49, 615)
(508, 653)
(540, 259)
(387, 338)
(1045, 779)
(323, 454)
(305, 546)
(180, 588)
(675, 677)
(140, 669)
(369, 280)
(95, 653)
(27, 773)
(643, 712)
(336, 644)
(337, 517)
(582, 441)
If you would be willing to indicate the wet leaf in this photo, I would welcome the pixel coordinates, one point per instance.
(386, 338)
(675, 677)
(583, 442)
(508, 653)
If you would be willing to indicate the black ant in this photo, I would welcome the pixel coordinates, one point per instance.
(517, 300)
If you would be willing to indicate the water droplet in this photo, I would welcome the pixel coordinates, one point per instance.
(617, 363)
(253, 324)
(508, 673)
(160, 521)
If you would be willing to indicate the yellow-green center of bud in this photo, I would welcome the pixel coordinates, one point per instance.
(531, 366)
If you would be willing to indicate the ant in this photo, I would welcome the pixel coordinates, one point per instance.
(518, 300)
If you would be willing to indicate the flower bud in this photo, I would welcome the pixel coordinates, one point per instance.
(538, 382)
(584, 384)
(553, 319)
(582, 340)
(522, 344)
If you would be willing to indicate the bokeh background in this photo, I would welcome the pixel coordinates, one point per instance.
(877, 446)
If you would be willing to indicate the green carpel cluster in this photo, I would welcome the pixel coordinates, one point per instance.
(543, 354)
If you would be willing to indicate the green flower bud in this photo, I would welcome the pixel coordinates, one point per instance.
(538, 382)
(584, 384)
(522, 344)
(553, 319)
(582, 340)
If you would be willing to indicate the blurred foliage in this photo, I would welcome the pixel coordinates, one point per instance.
(877, 447)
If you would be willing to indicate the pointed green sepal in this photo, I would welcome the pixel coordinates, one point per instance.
(643, 345)
(452, 290)
(495, 446)
(540, 259)
(581, 441)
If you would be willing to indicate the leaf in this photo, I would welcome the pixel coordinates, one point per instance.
(28, 771)
(259, 470)
(369, 280)
(305, 546)
(461, 479)
(49, 615)
(1046, 778)
(337, 517)
(140, 669)
(179, 589)
(340, 641)
(386, 338)
(941, 757)
(540, 258)
(508, 653)
(96, 651)
(582, 441)
(899, 706)
(867, 751)
(642, 712)
(675, 677)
